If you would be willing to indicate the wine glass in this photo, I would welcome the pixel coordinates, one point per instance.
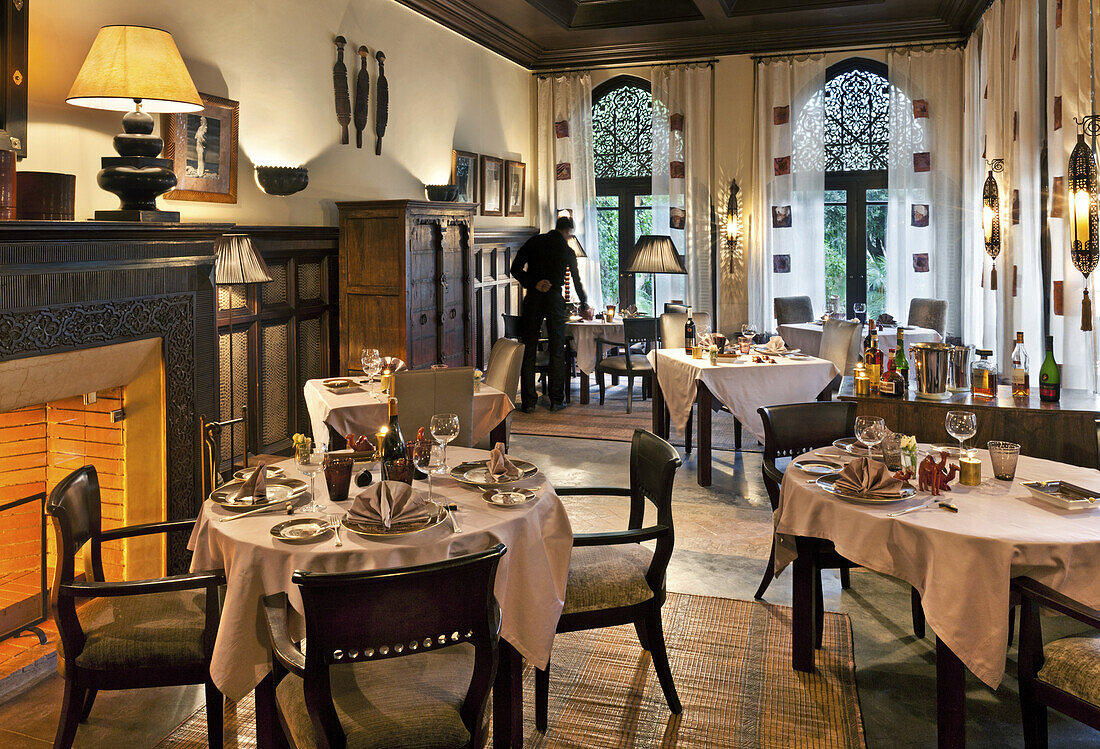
(962, 425)
(861, 310)
(428, 457)
(372, 363)
(310, 462)
(748, 330)
(869, 431)
(444, 429)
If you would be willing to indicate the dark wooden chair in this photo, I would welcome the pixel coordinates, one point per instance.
(396, 657)
(790, 310)
(513, 329)
(639, 336)
(928, 313)
(615, 580)
(130, 635)
(1065, 674)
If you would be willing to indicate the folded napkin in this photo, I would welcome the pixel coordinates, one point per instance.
(389, 502)
(393, 364)
(255, 487)
(775, 344)
(868, 478)
(500, 467)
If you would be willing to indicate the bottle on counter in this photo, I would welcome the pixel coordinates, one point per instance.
(893, 384)
(1021, 386)
(689, 333)
(1050, 376)
(872, 360)
(983, 376)
(871, 331)
(901, 360)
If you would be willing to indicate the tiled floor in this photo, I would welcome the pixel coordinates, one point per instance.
(722, 537)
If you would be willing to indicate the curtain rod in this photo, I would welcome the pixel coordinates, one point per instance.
(614, 66)
(958, 44)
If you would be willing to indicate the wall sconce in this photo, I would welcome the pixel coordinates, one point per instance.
(734, 226)
(282, 180)
(991, 217)
(1081, 176)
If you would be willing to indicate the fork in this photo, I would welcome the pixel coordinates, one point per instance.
(334, 523)
(921, 506)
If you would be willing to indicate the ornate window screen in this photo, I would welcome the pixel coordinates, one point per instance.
(857, 121)
(622, 131)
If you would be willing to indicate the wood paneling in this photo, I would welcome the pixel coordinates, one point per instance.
(495, 291)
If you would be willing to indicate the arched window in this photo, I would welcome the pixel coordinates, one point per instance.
(857, 142)
(622, 133)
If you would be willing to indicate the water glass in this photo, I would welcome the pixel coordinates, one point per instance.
(891, 450)
(428, 457)
(861, 310)
(310, 462)
(338, 476)
(371, 361)
(962, 425)
(444, 429)
(869, 431)
(1003, 456)
(745, 344)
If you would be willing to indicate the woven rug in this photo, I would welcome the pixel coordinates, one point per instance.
(732, 665)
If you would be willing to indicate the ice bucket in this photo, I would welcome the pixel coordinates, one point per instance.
(958, 368)
(932, 362)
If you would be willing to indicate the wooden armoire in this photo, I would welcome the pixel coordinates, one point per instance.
(406, 282)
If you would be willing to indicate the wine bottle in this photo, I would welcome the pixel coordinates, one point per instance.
(689, 333)
(901, 361)
(894, 384)
(1050, 376)
(396, 465)
(886, 385)
(1021, 387)
(983, 376)
(871, 330)
(872, 360)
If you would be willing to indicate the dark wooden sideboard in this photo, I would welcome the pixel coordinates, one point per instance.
(1065, 431)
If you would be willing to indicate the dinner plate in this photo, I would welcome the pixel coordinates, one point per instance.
(476, 473)
(828, 481)
(300, 530)
(762, 349)
(272, 473)
(951, 450)
(1063, 495)
(339, 383)
(851, 446)
(817, 467)
(279, 490)
(504, 497)
(399, 528)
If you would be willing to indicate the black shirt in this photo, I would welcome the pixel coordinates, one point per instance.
(546, 257)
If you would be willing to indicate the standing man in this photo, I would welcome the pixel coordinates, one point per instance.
(540, 267)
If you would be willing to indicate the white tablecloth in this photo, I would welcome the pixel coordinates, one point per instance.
(738, 384)
(585, 335)
(360, 411)
(807, 336)
(530, 584)
(961, 563)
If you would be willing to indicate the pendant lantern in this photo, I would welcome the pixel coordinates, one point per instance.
(1081, 179)
(991, 217)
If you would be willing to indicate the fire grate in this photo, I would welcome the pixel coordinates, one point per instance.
(20, 612)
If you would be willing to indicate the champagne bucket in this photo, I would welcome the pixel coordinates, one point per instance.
(932, 363)
(958, 368)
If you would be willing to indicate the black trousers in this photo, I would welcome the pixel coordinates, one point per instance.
(537, 307)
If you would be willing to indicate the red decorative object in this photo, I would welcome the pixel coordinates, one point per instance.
(781, 115)
(782, 165)
(1057, 297)
(563, 171)
(7, 185)
(920, 108)
(676, 122)
(933, 476)
(922, 161)
(676, 169)
(1057, 115)
(561, 129)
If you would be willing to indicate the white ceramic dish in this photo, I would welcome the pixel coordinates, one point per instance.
(817, 466)
(828, 481)
(1065, 496)
(514, 497)
(300, 530)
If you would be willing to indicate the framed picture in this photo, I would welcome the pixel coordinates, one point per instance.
(515, 187)
(203, 149)
(920, 214)
(492, 186)
(464, 174)
(781, 216)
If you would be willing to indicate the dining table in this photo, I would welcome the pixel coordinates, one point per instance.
(584, 334)
(362, 408)
(741, 383)
(807, 337)
(530, 582)
(960, 563)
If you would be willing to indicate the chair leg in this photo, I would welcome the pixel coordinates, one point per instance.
(89, 699)
(639, 627)
(72, 704)
(656, 636)
(845, 578)
(918, 614)
(1011, 625)
(542, 697)
(1034, 715)
(819, 604)
(769, 575)
(603, 387)
(629, 393)
(687, 433)
(215, 715)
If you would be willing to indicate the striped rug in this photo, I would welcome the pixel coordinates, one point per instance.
(731, 661)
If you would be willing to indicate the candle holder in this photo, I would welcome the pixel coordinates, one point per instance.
(970, 471)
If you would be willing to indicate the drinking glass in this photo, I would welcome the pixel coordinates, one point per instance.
(869, 431)
(428, 457)
(311, 462)
(861, 310)
(1003, 456)
(444, 429)
(962, 425)
(372, 363)
(891, 450)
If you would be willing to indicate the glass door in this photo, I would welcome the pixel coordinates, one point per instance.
(855, 240)
(624, 212)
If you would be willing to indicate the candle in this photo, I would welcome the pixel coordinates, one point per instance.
(863, 384)
(379, 438)
(696, 352)
(387, 381)
(970, 471)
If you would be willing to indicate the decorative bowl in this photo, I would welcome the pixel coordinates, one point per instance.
(442, 193)
(282, 180)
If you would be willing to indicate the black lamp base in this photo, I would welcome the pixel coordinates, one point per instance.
(145, 217)
(136, 175)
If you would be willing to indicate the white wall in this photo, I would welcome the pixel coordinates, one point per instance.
(275, 57)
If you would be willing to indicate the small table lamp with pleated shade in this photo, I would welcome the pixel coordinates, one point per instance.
(655, 253)
(135, 68)
(578, 252)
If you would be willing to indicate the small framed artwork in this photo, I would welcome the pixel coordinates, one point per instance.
(920, 262)
(781, 263)
(464, 175)
(920, 214)
(781, 217)
(515, 187)
(781, 115)
(782, 165)
(677, 217)
(922, 161)
(203, 148)
(920, 108)
(492, 186)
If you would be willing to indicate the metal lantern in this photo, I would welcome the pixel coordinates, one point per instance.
(991, 217)
(1081, 178)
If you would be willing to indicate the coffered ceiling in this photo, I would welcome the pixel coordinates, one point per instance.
(558, 33)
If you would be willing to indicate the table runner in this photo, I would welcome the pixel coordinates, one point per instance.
(530, 583)
(360, 411)
(961, 563)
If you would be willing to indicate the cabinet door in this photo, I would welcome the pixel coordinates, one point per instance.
(454, 253)
(422, 284)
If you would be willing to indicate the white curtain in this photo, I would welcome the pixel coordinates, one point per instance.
(786, 248)
(924, 174)
(682, 166)
(1070, 95)
(567, 175)
(973, 260)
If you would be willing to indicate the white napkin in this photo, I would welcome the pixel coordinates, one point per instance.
(255, 487)
(500, 467)
(393, 364)
(775, 345)
(388, 502)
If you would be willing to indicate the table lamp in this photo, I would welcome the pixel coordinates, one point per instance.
(138, 68)
(655, 253)
(578, 252)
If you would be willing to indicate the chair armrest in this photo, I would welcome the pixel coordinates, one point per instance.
(596, 491)
(282, 647)
(614, 538)
(772, 472)
(146, 529)
(1052, 599)
(192, 581)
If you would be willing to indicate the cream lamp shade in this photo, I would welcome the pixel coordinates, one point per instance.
(655, 253)
(236, 261)
(134, 62)
(575, 246)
